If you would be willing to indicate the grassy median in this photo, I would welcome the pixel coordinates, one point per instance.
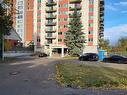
(83, 76)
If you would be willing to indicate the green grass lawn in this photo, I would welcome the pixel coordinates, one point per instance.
(83, 75)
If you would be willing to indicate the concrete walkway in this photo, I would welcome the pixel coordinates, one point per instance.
(36, 77)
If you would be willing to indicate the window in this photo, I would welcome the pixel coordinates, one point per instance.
(91, 17)
(19, 21)
(38, 14)
(38, 20)
(90, 39)
(65, 19)
(59, 40)
(91, 9)
(20, 16)
(65, 26)
(20, 3)
(65, 12)
(39, 7)
(39, 1)
(91, 1)
(38, 27)
(19, 30)
(59, 33)
(38, 39)
(49, 34)
(65, 5)
(90, 24)
(20, 26)
(90, 32)
(49, 41)
(20, 7)
(20, 12)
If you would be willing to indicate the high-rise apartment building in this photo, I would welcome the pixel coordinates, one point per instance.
(23, 19)
(29, 4)
(20, 18)
(51, 18)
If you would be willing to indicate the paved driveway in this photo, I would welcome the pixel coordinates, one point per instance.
(36, 77)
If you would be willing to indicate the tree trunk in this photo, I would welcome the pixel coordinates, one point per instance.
(1, 47)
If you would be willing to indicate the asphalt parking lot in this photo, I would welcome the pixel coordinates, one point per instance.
(36, 76)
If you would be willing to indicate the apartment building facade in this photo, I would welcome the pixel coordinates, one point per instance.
(23, 19)
(51, 18)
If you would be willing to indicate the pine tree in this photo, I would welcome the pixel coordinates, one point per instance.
(74, 37)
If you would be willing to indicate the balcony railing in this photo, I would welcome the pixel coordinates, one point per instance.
(50, 10)
(102, 13)
(71, 15)
(75, 8)
(49, 30)
(50, 23)
(50, 16)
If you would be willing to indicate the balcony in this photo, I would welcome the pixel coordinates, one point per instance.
(75, 1)
(101, 21)
(50, 30)
(50, 10)
(102, 27)
(101, 34)
(102, 14)
(101, 24)
(75, 8)
(51, 16)
(102, 2)
(70, 15)
(50, 23)
(50, 36)
(102, 8)
(51, 3)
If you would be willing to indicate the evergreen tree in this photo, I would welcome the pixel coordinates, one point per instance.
(74, 37)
